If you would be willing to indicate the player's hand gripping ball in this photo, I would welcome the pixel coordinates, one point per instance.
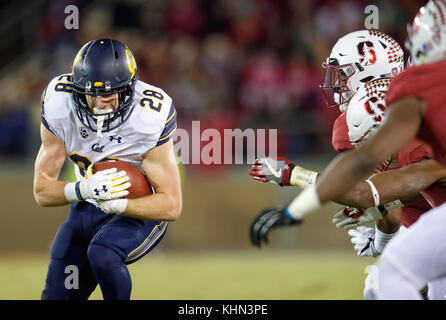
(140, 187)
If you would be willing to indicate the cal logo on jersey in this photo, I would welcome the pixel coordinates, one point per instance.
(84, 132)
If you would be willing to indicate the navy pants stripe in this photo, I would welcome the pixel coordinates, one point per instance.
(97, 246)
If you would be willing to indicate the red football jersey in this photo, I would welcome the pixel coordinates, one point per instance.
(426, 82)
(414, 152)
(339, 138)
(435, 194)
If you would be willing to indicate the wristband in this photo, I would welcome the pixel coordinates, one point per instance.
(375, 192)
(72, 192)
(392, 205)
(306, 202)
(303, 178)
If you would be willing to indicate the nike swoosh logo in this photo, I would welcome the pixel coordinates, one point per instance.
(342, 55)
(356, 125)
(275, 173)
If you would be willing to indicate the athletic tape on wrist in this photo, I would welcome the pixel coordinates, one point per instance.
(306, 202)
(375, 192)
(392, 205)
(302, 177)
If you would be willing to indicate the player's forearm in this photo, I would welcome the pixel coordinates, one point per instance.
(159, 206)
(49, 193)
(343, 174)
(360, 196)
(407, 182)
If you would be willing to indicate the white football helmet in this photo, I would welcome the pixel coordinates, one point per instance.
(427, 34)
(365, 113)
(358, 58)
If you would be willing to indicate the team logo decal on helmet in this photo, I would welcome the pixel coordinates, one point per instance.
(375, 109)
(131, 62)
(366, 110)
(367, 55)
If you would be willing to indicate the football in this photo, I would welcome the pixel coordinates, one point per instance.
(140, 187)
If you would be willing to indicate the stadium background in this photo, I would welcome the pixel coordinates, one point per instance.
(228, 64)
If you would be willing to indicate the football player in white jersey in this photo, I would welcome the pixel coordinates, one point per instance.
(101, 111)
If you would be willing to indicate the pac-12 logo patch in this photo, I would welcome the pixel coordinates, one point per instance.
(84, 132)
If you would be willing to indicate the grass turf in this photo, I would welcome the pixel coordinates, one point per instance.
(251, 275)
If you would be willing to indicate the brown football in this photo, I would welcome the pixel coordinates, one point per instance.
(140, 187)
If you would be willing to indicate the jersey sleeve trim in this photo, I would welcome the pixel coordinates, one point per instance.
(169, 127)
(42, 113)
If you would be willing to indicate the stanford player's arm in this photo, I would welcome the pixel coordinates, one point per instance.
(402, 183)
(346, 170)
(48, 191)
(400, 128)
(161, 170)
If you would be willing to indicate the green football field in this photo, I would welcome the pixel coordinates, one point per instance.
(248, 275)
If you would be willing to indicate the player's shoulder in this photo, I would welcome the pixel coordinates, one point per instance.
(148, 91)
(419, 71)
(340, 140)
(415, 80)
(57, 97)
(153, 107)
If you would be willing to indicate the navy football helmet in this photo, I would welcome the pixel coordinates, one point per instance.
(104, 67)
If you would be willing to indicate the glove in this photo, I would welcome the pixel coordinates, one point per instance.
(364, 240)
(276, 170)
(103, 185)
(350, 218)
(116, 206)
(267, 220)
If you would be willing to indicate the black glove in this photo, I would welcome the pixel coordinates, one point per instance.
(266, 220)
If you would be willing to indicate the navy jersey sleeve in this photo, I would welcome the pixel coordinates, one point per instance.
(169, 127)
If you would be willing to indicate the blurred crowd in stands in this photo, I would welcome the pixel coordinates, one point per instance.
(228, 63)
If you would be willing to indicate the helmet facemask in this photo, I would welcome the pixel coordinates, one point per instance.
(103, 120)
(335, 89)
